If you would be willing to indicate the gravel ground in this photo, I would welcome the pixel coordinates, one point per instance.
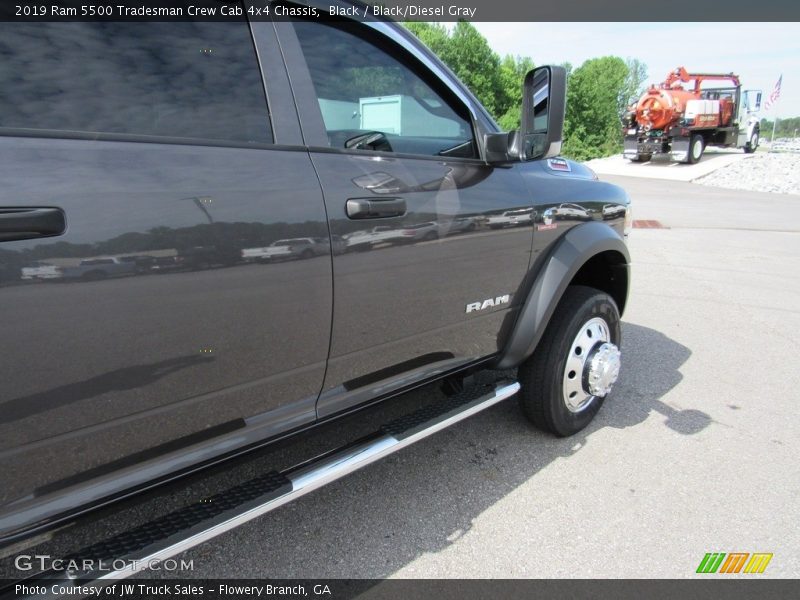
(763, 172)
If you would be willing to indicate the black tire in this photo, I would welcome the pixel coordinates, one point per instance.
(430, 236)
(542, 397)
(752, 143)
(697, 146)
(642, 158)
(306, 254)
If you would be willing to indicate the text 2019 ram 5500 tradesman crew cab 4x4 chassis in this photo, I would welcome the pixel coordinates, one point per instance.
(153, 143)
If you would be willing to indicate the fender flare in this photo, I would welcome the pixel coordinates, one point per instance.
(578, 245)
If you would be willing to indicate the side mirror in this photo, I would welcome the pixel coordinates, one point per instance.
(544, 96)
(544, 102)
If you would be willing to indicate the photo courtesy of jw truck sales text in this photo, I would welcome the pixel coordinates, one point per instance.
(517, 280)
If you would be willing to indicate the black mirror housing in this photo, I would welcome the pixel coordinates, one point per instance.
(544, 100)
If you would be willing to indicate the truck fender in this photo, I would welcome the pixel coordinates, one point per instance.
(572, 252)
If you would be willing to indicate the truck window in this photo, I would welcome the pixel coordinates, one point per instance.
(362, 88)
(195, 80)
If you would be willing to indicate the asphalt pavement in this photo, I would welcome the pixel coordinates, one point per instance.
(695, 451)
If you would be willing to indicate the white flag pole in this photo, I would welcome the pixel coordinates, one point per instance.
(775, 122)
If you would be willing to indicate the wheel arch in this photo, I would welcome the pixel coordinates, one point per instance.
(591, 254)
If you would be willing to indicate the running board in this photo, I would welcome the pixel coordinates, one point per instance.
(133, 550)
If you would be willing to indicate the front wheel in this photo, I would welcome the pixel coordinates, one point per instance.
(575, 363)
(751, 146)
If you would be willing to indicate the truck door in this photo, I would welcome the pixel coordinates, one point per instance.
(423, 284)
(158, 323)
(748, 134)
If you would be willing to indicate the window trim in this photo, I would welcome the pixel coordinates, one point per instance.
(91, 136)
(381, 34)
(261, 75)
(283, 115)
(390, 155)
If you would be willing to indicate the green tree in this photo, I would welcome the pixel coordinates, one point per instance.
(634, 84)
(594, 93)
(512, 72)
(597, 92)
(433, 35)
(469, 56)
(789, 127)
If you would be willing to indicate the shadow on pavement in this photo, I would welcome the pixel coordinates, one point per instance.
(651, 368)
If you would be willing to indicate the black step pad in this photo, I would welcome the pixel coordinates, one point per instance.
(423, 418)
(261, 488)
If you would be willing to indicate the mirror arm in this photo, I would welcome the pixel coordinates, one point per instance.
(502, 147)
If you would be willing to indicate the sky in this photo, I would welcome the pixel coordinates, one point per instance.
(758, 52)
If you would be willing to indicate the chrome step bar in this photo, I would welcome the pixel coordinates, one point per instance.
(168, 536)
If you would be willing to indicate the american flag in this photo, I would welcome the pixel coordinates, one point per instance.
(776, 93)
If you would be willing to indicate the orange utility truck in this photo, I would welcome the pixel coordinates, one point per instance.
(679, 120)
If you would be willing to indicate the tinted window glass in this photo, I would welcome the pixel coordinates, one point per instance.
(362, 89)
(189, 79)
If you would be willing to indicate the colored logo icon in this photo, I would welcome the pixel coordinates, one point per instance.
(734, 562)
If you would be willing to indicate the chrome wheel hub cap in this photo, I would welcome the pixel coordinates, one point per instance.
(603, 369)
(592, 366)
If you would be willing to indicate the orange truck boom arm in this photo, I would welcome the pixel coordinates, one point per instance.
(680, 74)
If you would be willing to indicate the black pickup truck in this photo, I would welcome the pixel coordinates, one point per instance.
(154, 142)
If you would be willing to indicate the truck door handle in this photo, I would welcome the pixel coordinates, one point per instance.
(26, 223)
(375, 208)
